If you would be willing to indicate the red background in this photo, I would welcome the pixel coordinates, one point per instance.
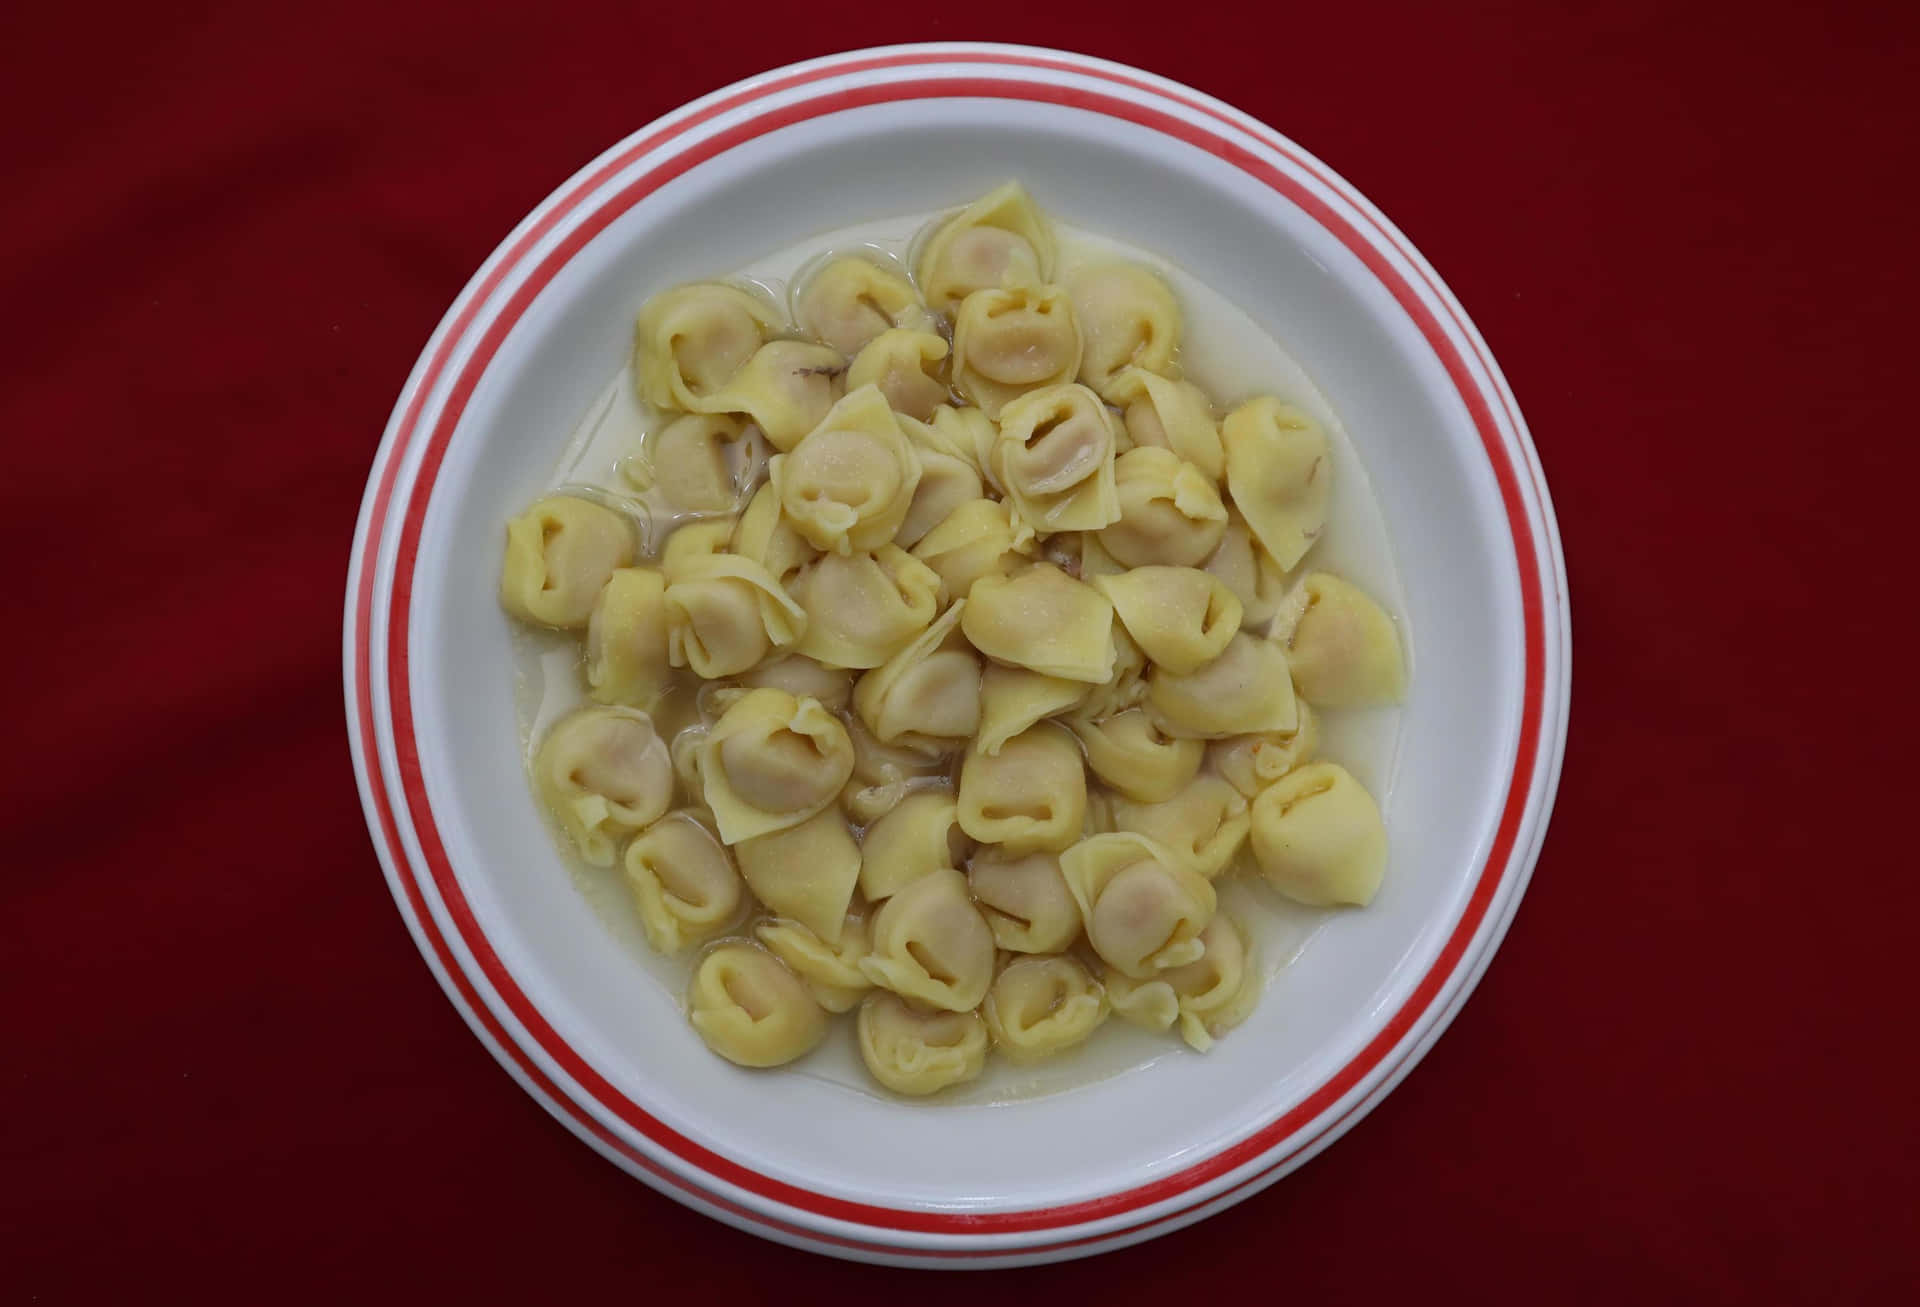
(227, 233)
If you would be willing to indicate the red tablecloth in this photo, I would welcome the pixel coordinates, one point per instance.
(225, 1071)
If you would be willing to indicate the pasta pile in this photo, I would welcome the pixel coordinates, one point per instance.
(1002, 650)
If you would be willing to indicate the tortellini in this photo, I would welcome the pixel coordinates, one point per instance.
(1013, 698)
(1008, 343)
(724, 611)
(627, 638)
(1031, 795)
(1207, 996)
(807, 872)
(1144, 908)
(1128, 318)
(690, 462)
(1163, 413)
(930, 945)
(1168, 512)
(947, 481)
(847, 485)
(750, 1009)
(1344, 650)
(918, 835)
(1000, 240)
(692, 340)
(1318, 838)
(1055, 458)
(1138, 759)
(802, 677)
(979, 538)
(765, 536)
(1246, 568)
(917, 1052)
(907, 366)
(980, 644)
(559, 553)
(1181, 618)
(1280, 474)
(771, 762)
(851, 300)
(683, 882)
(883, 773)
(1204, 824)
(864, 608)
(787, 387)
(604, 773)
(1247, 688)
(1250, 763)
(1043, 620)
(927, 696)
(1025, 900)
(831, 971)
(1040, 1006)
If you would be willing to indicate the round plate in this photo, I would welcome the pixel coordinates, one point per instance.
(535, 336)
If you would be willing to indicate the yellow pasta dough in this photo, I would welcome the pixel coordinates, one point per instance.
(1244, 689)
(1144, 908)
(847, 484)
(831, 971)
(559, 553)
(1134, 756)
(802, 677)
(919, 834)
(850, 300)
(1128, 318)
(1042, 1006)
(1014, 698)
(690, 342)
(1280, 471)
(764, 535)
(787, 387)
(918, 1052)
(977, 635)
(604, 773)
(771, 762)
(1204, 823)
(1031, 795)
(927, 696)
(1168, 512)
(1054, 456)
(908, 367)
(806, 871)
(1247, 569)
(1318, 838)
(1180, 617)
(979, 538)
(1025, 900)
(864, 608)
(930, 945)
(690, 461)
(626, 644)
(1008, 343)
(1344, 650)
(1162, 413)
(1043, 620)
(1252, 762)
(750, 1009)
(1000, 240)
(683, 881)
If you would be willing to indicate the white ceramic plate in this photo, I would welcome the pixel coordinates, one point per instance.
(753, 168)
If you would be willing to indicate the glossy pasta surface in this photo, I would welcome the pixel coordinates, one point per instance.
(952, 661)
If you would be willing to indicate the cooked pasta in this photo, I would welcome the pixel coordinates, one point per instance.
(945, 657)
